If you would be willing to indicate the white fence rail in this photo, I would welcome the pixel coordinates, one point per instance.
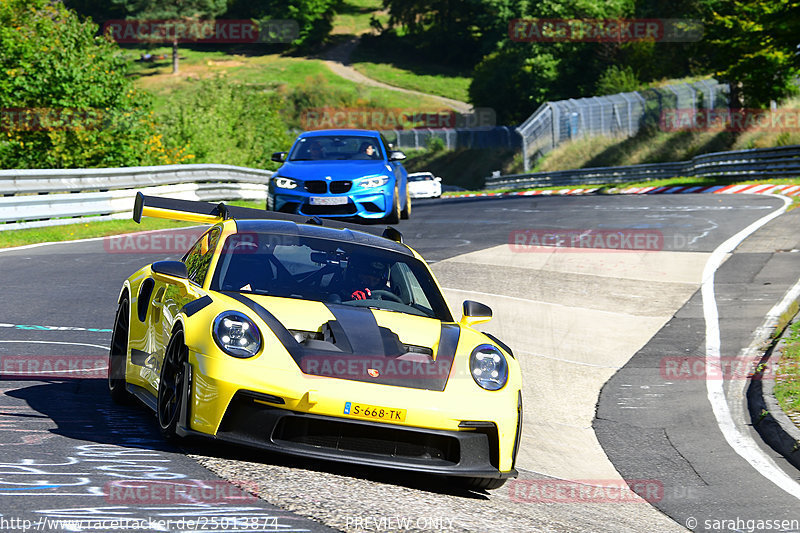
(35, 198)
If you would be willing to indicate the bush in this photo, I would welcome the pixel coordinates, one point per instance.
(435, 144)
(218, 121)
(64, 93)
(617, 80)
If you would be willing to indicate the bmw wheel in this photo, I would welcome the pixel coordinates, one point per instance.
(394, 216)
(406, 213)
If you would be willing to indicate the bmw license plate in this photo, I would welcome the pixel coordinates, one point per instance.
(373, 412)
(328, 200)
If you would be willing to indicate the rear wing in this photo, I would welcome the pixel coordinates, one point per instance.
(208, 213)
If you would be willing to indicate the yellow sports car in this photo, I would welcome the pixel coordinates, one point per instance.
(318, 339)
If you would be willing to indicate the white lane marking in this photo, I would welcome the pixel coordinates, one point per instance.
(58, 342)
(741, 443)
(35, 327)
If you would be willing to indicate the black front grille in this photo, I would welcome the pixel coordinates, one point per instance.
(289, 207)
(344, 209)
(341, 187)
(358, 438)
(316, 187)
(372, 208)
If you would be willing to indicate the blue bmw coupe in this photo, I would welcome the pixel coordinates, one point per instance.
(341, 173)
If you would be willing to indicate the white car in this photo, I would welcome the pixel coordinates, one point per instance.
(424, 185)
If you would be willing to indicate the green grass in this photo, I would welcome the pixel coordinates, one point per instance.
(271, 71)
(89, 229)
(787, 379)
(390, 64)
(353, 16)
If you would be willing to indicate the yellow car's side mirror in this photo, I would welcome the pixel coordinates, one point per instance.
(475, 313)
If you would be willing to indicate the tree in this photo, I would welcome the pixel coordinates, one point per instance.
(454, 31)
(752, 46)
(225, 122)
(64, 95)
(178, 11)
(314, 17)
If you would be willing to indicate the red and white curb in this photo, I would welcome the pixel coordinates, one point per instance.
(786, 190)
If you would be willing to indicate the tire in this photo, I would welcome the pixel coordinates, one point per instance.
(405, 214)
(117, 355)
(394, 216)
(481, 483)
(170, 386)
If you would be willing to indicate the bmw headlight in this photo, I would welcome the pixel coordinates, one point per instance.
(488, 367)
(373, 181)
(236, 334)
(284, 183)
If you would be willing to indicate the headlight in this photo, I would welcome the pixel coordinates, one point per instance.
(236, 334)
(285, 183)
(488, 367)
(372, 182)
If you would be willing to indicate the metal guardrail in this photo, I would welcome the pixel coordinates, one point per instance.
(455, 138)
(620, 115)
(35, 198)
(761, 163)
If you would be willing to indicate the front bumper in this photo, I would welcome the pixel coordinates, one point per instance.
(368, 204)
(250, 422)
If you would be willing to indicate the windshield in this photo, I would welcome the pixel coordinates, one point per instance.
(336, 147)
(328, 271)
(425, 177)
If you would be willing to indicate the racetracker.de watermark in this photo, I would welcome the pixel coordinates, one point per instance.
(321, 118)
(53, 367)
(184, 491)
(585, 491)
(219, 31)
(689, 368)
(28, 119)
(737, 120)
(417, 367)
(543, 240)
(604, 30)
(166, 242)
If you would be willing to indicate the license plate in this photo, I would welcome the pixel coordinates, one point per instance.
(373, 412)
(328, 200)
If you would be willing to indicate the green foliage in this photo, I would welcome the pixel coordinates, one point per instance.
(617, 79)
(434, 144)
(79, 108)
(219, 121)
(173, 9)
(314, 17)
(752, 43)
(514, 84)
(454, 32)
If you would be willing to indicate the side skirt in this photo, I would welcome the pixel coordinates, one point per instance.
(143, 395)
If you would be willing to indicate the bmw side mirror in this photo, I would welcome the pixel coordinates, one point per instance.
(279, 157)
(475, 313)
(174, 269)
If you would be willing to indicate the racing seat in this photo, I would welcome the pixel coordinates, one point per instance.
(247, 267)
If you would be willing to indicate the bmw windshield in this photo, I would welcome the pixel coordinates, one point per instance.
(336, 147)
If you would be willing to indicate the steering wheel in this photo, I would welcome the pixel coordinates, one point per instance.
(386, 295)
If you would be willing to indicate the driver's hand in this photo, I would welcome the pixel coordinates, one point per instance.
(361, 295)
